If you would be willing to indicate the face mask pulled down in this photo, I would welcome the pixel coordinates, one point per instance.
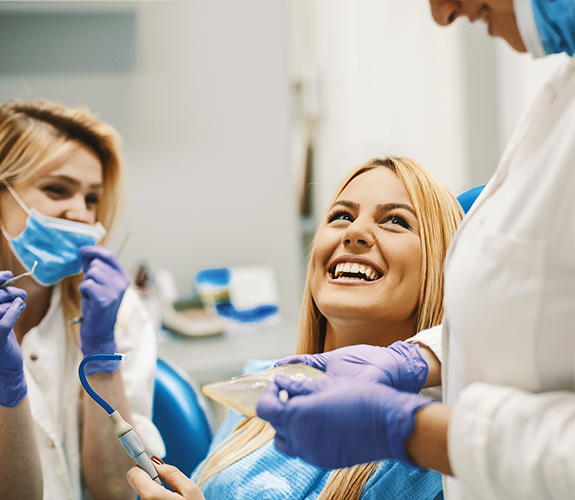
(52, 242)
(546, 26)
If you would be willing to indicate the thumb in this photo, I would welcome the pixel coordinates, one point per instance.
(295, 387)
(269, 407)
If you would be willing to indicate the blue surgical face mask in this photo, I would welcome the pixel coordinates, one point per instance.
(546, 26)
(53, 243)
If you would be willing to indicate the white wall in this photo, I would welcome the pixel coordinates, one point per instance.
(200, 92)
(388, 81)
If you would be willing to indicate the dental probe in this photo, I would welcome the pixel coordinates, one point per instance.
(123, 430)
(13, 280)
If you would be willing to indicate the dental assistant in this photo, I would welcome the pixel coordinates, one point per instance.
(506, 427)
(60, 185)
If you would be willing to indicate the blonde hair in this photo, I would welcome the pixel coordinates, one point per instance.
(438, 214)
(36, 132)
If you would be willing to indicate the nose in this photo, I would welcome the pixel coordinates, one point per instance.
(358, 236)
(444, 12)
(77, 210)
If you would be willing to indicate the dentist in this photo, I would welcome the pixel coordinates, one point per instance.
(60, 173)
(506, 427)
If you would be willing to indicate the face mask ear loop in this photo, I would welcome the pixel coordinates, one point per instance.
(17, 197)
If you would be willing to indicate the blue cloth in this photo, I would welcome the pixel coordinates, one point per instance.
(467, 198)
(267, 474)
(555, 22)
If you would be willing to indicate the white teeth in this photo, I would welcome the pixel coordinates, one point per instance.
(354, 268)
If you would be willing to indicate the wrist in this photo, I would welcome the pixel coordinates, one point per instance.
(433, 364)
(426, 447)
(405, 408)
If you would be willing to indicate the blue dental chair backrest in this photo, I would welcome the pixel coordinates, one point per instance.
(467, 198)
(182, 416)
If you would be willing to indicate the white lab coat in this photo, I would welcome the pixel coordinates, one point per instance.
(51, 370)
(509, 325)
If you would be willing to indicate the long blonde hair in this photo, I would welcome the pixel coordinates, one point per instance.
(35, 132)
(438, 214)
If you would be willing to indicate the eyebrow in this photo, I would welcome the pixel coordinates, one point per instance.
(386, 207)
(75, 182)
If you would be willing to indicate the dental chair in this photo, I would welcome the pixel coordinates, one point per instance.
(182, 416)
(467, 198)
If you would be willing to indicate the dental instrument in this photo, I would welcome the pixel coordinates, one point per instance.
(16, 278)
(124, 431)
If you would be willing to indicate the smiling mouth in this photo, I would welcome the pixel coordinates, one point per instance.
(355, 271)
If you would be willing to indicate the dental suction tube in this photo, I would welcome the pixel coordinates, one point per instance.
(123, 430)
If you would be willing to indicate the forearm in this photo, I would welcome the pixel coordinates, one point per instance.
(427, 445)
(20, 468)
(104, 461)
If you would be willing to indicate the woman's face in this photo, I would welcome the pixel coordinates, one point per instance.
(366, 262)
(69, 187)
(499, 15)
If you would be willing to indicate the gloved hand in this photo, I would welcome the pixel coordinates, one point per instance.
(102, 291)
(13, 386)
(400, 365)
(337, 422)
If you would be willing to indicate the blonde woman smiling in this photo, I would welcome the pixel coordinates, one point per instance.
(374, 277)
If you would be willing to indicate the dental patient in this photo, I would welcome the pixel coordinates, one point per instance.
(374, 277)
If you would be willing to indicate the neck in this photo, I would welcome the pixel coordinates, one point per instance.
(345, 333)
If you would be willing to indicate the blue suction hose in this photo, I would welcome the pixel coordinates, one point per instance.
(124, 431)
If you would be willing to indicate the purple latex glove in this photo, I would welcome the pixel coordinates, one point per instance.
(102, 291)
(400, 365)
(13, 386)
(337, 422)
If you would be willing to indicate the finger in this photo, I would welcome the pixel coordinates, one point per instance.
(12, 313)
(295, 387)
(179, 482)
(269, 407)
(318, 361)
(90, 253)
(10, 293)
(144, 486)
(5, 275)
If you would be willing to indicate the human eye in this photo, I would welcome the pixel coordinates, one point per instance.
(397, 220)
(339, 215)
(56, 191)
(92, 200)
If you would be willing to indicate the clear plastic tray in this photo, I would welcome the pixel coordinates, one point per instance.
(242, 393)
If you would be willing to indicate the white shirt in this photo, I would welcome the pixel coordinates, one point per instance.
(51, 370)
(509, 325)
